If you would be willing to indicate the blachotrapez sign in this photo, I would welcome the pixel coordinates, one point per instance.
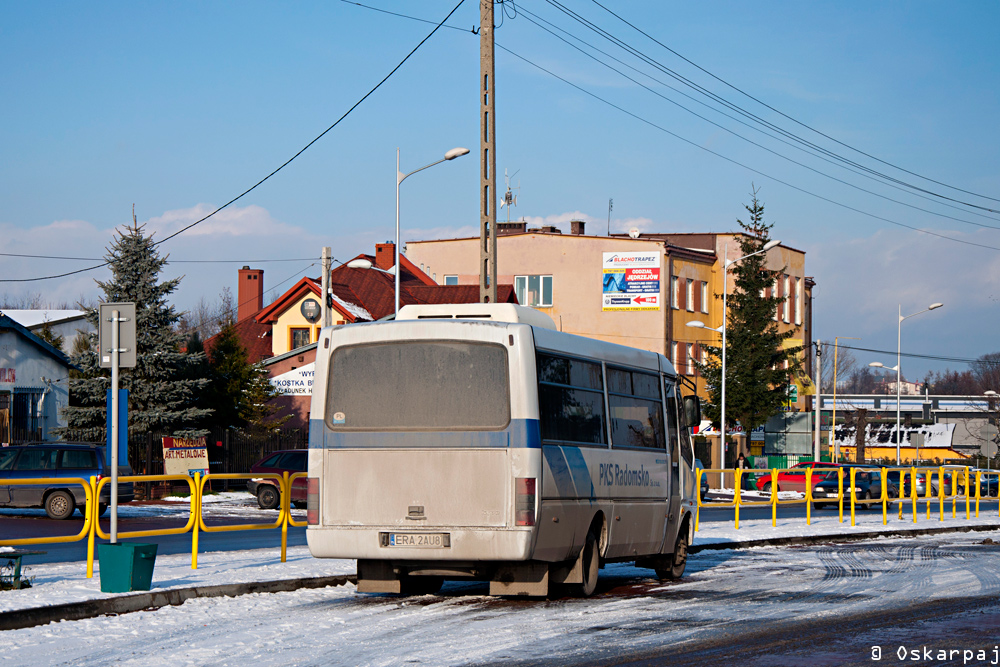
(631, 281)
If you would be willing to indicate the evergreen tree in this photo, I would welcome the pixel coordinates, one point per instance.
(46, 333)
(756, 379)
(239, 391)
(162, 389)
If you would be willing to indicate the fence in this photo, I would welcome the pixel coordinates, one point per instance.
(196, 521)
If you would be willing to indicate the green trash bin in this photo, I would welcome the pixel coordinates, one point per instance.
(126, 566)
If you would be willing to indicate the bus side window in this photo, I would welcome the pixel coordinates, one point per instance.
(687, 453)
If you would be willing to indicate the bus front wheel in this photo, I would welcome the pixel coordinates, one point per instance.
(591, 567)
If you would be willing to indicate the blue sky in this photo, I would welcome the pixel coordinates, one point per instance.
(177, 108)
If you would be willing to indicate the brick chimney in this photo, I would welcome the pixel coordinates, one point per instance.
(576, 227)
(385, 256)
(249, 293)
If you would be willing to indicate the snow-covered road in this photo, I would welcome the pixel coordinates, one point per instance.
(728, 593)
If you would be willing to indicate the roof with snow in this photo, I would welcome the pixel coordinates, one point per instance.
(34, 318)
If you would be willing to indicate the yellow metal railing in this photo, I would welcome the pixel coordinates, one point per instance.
(196, 519)
(955, 484)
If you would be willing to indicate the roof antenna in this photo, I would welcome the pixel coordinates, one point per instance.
(510, 199)
(611, 205)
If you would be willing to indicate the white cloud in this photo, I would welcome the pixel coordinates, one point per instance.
(234, 221)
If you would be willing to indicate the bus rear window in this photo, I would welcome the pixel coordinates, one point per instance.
(419, 386)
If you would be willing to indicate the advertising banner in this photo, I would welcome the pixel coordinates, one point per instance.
(185, 456)
(631, 281)
(297, 382)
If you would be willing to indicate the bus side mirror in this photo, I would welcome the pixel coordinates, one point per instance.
(692, 410)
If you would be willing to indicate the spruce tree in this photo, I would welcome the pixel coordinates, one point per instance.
(756, 377)
(163, 390)
(239, 391)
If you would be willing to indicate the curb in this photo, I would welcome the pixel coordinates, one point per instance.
(845, 537)
(74, 611)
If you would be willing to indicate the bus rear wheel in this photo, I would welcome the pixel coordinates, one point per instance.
(673, 566)
(590, 560)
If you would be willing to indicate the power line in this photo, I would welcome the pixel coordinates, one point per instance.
(700, 147)
(282, 166)
(528, 17)
(932, 357)
(736, 108)
(723, 81)
(169, 261)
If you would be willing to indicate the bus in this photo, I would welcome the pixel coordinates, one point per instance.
(475, 441)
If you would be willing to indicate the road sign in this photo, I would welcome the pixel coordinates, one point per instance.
(126, 334)
(988, 432)
(793, 393)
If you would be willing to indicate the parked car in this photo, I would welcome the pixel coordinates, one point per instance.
(266, 489)
(57, 459)
(867, 486)
(793, 479)
(704, 479)
(988, 485)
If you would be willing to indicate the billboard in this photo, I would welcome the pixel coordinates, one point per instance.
(631, 281)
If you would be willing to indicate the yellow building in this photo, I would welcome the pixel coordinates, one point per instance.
(669, 280)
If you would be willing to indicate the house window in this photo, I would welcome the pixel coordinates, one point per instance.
(675, 292)
(798, 300)
(786, 293)
(451, 280)
(689, 294)
(704, 297)
(673, 354)
(535, 291)
(299, 337)
(689, 359)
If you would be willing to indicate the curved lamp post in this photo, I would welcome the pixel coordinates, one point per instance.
(697, 324)
(876, 364)
(400, 177)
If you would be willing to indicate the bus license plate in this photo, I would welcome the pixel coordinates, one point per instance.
(420, 540)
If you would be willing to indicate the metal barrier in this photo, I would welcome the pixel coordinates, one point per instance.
(196, 520)
(61, 481)
(951, 483)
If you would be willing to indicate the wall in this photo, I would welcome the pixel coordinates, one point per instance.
(292, 318)
(575, 264)
(30, 364)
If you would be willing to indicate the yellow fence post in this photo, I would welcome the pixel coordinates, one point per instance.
(885, 496)
(840, 493)
(853, 493)
(286, 508)
(697, 485)
(913, 491)
(196, 511)
(941, 493)
(91, 526)
(929, 479)
(899, 492)
(737, 496)
(979, 477)
(809, 496)
(966, 493)
(774, 497)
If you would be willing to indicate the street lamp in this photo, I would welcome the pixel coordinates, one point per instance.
(400, 177)
(697, 324)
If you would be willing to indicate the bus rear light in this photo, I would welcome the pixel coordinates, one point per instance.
(312, 501)
(524, 501)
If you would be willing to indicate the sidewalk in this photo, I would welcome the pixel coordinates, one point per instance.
(66, 583)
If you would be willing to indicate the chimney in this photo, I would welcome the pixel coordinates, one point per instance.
(576, 227)
(385, 255)
(249, 293)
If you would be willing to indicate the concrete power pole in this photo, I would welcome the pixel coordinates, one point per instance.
(819, 376)
(488, 166)
(325, 286)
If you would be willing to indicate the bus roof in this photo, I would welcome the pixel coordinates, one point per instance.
(496, 312)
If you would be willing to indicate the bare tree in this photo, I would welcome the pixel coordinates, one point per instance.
(847, 363)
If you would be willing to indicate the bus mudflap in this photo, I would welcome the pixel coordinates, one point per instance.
(530, 578)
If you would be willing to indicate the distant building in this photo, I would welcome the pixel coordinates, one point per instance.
(284, 333)
(34, 385)
(69, 324)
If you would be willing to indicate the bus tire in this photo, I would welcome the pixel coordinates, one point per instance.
(590, 558)
(674, 565)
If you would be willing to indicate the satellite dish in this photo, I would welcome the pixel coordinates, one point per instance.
(634, 233)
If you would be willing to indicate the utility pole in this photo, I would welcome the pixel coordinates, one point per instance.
(819, 376)
(325, 286)
(488, 166)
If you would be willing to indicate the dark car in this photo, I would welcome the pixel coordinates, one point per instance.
(266, 489)
(57, 459)
(704, 479)
(988, 485)
(867, 486)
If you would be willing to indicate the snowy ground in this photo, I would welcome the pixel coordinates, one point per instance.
(724, 592)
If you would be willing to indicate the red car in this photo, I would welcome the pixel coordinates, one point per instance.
(793, 479)
(266, 489)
